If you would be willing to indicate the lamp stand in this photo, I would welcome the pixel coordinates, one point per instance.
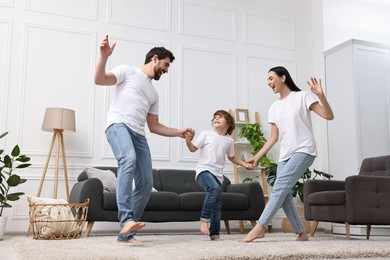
(58, 138)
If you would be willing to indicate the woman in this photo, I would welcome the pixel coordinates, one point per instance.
(290, 121)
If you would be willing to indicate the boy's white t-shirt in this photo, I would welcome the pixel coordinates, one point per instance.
(135, 97)
(213, 151)
(292, 117)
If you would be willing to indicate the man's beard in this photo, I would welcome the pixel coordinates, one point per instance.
(157, 76)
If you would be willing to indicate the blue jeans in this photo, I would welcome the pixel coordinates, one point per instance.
(211, 211)
(288, 173)
(131, 150)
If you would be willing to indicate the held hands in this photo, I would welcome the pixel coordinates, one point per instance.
(251, 163)
(189, 134)
(315, 86)
(105, 49)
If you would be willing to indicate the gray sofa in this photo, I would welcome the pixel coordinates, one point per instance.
(179, 198)
(362, 199)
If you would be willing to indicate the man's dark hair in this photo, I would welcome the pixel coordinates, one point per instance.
(161, 52)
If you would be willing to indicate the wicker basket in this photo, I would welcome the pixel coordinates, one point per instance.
(58, 221)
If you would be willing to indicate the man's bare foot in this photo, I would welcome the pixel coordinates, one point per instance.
(131, 226)
(257, 231)
(302, 237)
(132, 240)
(204, 228)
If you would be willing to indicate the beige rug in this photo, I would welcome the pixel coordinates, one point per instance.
(193, 246)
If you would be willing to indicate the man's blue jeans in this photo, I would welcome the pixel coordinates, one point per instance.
(211, 211)
(131, 150)
(288, 173)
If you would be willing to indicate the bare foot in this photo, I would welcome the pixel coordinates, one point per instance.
(257, 231)
(302, 237)
(132, 240)
(204, 228)
(215, 239)
(131, 226)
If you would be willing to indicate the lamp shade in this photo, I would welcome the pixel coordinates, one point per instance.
(59, 118)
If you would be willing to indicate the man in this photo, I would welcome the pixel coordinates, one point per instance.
(135, 103)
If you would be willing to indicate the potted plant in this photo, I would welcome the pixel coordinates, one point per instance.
(8, 179)
(255, 136)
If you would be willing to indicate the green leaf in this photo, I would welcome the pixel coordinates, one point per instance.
(16, 151)
(14, 180)
(25, 165)
(4, 134)
(14, 196)
(7, 162)
(5, 205)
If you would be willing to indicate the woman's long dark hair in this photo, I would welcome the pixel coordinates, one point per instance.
(280, 71)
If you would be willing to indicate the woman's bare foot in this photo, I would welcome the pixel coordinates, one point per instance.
(302, 237)
(131, 226)
(204, 228)
(257, 232)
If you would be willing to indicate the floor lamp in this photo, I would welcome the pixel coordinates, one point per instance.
(57, 120)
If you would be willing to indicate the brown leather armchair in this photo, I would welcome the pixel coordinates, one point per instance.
(362, 199)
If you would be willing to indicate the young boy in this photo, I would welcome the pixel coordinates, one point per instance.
(214, 145)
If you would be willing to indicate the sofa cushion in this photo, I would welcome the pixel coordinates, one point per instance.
(327, 198)
(192, 200)
(230, 201)
(109, 201)
(107, 177)
(234, 201)
(163, 200)
(179, 181)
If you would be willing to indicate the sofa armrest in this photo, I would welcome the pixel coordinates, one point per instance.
(367, 199)
(312, 186)
(91, 189)
(254, 192)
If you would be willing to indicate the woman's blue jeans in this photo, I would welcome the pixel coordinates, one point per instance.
(131, 150)
(288, 173)
(211, 211)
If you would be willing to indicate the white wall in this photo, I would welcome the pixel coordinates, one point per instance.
(366, 20)
(223, 49)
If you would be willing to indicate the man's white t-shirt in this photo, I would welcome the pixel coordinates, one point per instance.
(213, 151)
(135, 97)
(292, 117)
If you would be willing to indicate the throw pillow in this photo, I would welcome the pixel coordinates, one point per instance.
(52, 221)
(107, 177)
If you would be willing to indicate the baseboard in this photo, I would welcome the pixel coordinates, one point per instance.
(360, 230)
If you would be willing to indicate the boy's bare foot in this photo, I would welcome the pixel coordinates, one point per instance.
(257, 231)
(131, 226)
(204, 228)
(215, 239)
(302, 237)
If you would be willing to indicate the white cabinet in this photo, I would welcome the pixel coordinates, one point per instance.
(357, 87)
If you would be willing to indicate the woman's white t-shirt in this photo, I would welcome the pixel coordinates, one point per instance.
(213, 151)
(135, 97)
(292, 117)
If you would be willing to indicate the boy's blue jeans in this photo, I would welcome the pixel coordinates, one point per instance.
(211, 211)
(288, 173)
(131, 150)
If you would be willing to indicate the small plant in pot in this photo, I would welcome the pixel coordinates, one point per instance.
(8, 179)
(255, 136)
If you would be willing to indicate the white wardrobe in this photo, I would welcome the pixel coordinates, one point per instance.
(358, 86)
